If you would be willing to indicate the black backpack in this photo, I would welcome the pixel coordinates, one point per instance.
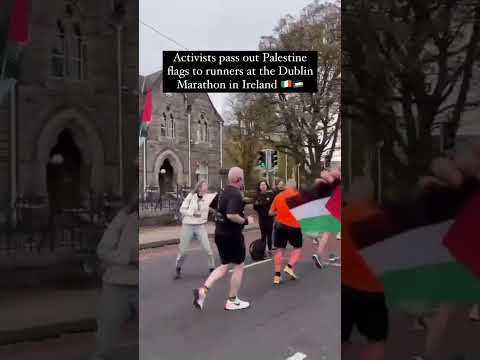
(257, 250)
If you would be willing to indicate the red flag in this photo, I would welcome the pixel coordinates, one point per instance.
(147, 109)
(19, 30)
(462, 239)
(334, 205)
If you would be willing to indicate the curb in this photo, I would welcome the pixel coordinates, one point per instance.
(42, 332)
(161, 243)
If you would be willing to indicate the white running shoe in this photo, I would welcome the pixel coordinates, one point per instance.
(236, 304)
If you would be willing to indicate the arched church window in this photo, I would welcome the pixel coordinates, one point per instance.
(68, 55)
(78, 52)
(172, 126)
(203, 125)
(199, 131)
(163, 125)
(58, 52)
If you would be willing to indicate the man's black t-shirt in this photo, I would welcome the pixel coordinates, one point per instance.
(230, 201)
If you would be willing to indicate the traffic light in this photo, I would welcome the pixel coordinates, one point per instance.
(274, 159)
(261, 159)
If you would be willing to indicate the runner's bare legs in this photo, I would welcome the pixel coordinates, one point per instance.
(236, 280)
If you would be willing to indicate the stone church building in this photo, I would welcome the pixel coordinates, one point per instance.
(184, 142)
(74, 108)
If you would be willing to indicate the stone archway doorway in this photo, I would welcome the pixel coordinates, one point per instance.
(67, 172)
(167, 165)
(166, 179)
(71, 154)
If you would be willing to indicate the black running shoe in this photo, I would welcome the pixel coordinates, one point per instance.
(178, 274)
(317, 261)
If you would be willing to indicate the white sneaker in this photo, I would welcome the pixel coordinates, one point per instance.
(236, 304)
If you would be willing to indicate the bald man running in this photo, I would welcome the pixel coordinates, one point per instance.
(230, 242)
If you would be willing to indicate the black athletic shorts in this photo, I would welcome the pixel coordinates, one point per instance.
(365, 310)
(231, 247)
(285, 235)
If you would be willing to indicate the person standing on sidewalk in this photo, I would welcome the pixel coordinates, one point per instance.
(195, 209)
(287, 230)
(262, 204)
(118, 251)
(230, 221)
(280, 187)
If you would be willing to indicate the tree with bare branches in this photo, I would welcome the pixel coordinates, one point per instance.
(306, 126)
(408, 68)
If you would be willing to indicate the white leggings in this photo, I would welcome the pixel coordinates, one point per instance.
(188, 233)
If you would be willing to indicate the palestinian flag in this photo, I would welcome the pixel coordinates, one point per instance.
(146, 116)
(318, 210)
(462, 238)
(15, 32)
(428, 264)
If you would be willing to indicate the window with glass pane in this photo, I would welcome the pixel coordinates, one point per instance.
(76, 54)
(199, 132)
(163, 125)
(172, 125)
(58, 52)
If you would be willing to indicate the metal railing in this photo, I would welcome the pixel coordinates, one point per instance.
(156, 204)
(41, 229)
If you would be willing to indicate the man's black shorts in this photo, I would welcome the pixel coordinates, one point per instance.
(285, 235)
(231, 247)
(365, 310)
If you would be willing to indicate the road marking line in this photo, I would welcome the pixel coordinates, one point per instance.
(297, 356)
(253, 264)
(337, 265)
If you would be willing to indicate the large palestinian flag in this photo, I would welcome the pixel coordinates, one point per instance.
(318, 210)
(433, 263)
(14, 35)
(146, 115)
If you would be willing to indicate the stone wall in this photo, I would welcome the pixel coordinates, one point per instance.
(46, 104)
(175, 149)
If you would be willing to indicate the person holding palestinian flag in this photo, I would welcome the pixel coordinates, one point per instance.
(444, 268)
(328, 180)
(286, 231)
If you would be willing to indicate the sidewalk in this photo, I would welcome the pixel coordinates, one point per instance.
(151, 237)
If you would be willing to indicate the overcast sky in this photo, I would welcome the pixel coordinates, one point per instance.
(208, 25)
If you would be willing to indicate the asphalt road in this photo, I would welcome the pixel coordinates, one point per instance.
(298, 320)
